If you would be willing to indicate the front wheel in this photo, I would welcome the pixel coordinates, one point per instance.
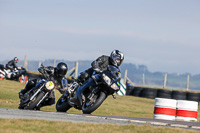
(62, 104)
(2, 76)
(35, 101)
(23, 79)
(91, 105)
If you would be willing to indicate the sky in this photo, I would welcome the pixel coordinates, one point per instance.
(164, 35)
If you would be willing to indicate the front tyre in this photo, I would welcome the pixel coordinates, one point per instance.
(90, 106)
(2, 76)
(62, 104)
(35, 101)
(23, 79)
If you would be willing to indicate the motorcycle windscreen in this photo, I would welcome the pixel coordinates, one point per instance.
(115, 73)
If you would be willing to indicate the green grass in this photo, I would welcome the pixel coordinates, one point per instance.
(41, 126)
(128, 106)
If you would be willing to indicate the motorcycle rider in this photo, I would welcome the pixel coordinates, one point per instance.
(100, 64)
(57, 75)
(12, 64)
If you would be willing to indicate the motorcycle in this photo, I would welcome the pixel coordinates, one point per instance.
(91, 93)
(40, 92)
(18, 74)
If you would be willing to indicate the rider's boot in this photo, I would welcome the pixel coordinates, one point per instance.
(28, 86)
(20, 94)
(74, 99)
(13, 75)
(72, 90)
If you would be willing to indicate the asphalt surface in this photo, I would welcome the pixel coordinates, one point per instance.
(70, 117)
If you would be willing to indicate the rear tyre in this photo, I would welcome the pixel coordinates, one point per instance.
(62, 105)
(35, 101)
(89, 108)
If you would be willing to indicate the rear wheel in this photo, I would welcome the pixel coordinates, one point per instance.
(92, 103)
(62, 105)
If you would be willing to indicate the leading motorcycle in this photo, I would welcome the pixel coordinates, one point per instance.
(91, 93)
(19, 74)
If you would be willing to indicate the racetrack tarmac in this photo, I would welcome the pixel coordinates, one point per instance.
(70, 117)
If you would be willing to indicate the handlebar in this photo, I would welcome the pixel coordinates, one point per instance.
(43, 71)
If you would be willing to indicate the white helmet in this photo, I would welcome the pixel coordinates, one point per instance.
(116, 57)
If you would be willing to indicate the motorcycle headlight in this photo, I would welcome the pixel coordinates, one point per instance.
(115, 86)
(49, 85)
(106, 79)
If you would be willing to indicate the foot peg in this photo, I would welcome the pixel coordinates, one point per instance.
(114, 96)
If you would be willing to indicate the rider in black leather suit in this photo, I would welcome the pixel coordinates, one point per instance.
(57, 75)
(12, 64)
(100, 64)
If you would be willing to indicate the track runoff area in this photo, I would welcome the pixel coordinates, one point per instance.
(69, 117)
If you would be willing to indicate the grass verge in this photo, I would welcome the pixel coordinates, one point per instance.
(41, 126)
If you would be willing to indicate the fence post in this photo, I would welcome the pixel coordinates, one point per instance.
(39, 65)
(125, 76)
(165, 81)
(54, 63)
(143, 79)
(25, 62)
(188, 81)
(76, 69)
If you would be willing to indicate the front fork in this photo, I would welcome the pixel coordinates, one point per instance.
(42, 99)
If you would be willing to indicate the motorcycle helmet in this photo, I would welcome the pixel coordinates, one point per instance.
(61, 69)
(16, 59)
(116, 57)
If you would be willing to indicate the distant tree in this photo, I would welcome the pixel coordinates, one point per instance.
(143, 68)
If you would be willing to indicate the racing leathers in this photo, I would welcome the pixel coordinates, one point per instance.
(11, 65)
(99, 65)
